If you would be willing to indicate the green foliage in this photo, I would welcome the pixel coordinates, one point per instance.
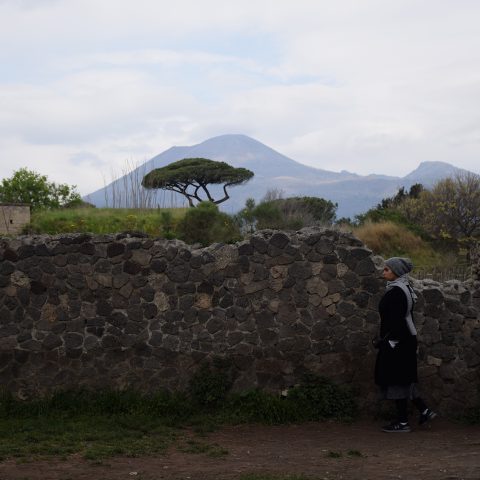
(424, 225)
(322, 211)
(210, 384)
(449, 211)
(94, 437)
(27, 186)
(205, 224)
(191, 176)
(286, 213)
(391, 210)
(246, 217)
(258, 406)
(167, 224)
(103, 423)
(170, 407)
(269, 215)
(447, 214)
(317, 398)
(106, 220)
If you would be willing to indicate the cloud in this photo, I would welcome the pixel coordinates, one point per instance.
(364, 86)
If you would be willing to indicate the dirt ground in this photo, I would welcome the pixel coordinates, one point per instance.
(330, 451)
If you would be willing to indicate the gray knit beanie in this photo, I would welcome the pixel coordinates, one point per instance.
(399, 265)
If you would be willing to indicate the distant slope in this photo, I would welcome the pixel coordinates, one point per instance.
(353, 193)
(430, 172)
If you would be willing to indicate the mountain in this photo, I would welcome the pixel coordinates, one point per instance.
(431, 172)
(353, 193)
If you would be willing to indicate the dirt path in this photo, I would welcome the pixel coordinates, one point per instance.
(318, 450)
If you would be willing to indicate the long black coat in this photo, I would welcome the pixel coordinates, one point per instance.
(395, 366)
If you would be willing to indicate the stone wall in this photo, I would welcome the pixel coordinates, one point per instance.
(13, 217)
(118, 311)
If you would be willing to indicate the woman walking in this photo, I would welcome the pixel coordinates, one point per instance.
(396, 365)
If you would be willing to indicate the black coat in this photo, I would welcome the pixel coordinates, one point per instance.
(395, 366)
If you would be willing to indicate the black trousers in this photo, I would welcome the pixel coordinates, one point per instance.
(402, 407)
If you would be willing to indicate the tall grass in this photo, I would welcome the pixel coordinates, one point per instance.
(102, 220)
(391, 239)
(125, 190)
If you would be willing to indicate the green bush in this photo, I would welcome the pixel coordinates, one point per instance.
(316, 398)
(205, 224)
(210, 384)
(286, 213)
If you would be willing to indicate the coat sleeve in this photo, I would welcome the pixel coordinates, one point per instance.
(393, 313)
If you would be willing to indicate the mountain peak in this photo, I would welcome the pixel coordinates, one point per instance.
(433, 171)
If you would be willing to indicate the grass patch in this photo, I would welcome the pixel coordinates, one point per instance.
(393, 240)
(103, 424)
(95, 437)
(196, 447)
(104, 220)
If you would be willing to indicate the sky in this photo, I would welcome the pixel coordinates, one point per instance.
(89, 88)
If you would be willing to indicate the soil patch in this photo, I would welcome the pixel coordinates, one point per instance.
(332, 451)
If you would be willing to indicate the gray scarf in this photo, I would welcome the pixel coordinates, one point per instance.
(403, 283)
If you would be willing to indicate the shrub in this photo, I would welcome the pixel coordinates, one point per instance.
(316, 398)
(286, 213)
(205, 224)
(210, 384)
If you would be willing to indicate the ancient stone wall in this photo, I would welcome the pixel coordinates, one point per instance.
(122, 310)
(13, 217)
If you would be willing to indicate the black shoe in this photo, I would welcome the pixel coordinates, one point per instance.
(397, 427)
(428, 416)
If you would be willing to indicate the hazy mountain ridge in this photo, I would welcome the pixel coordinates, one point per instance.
(354, 193)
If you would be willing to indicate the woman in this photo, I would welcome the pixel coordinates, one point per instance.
(396, 365)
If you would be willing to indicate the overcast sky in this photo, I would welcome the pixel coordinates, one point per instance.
(369, 86)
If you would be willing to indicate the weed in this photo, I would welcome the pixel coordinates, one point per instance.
(354, 453)
(196, 447)
(332, 454)
(209, 386)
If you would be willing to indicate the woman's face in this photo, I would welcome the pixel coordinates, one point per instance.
(388, 274)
